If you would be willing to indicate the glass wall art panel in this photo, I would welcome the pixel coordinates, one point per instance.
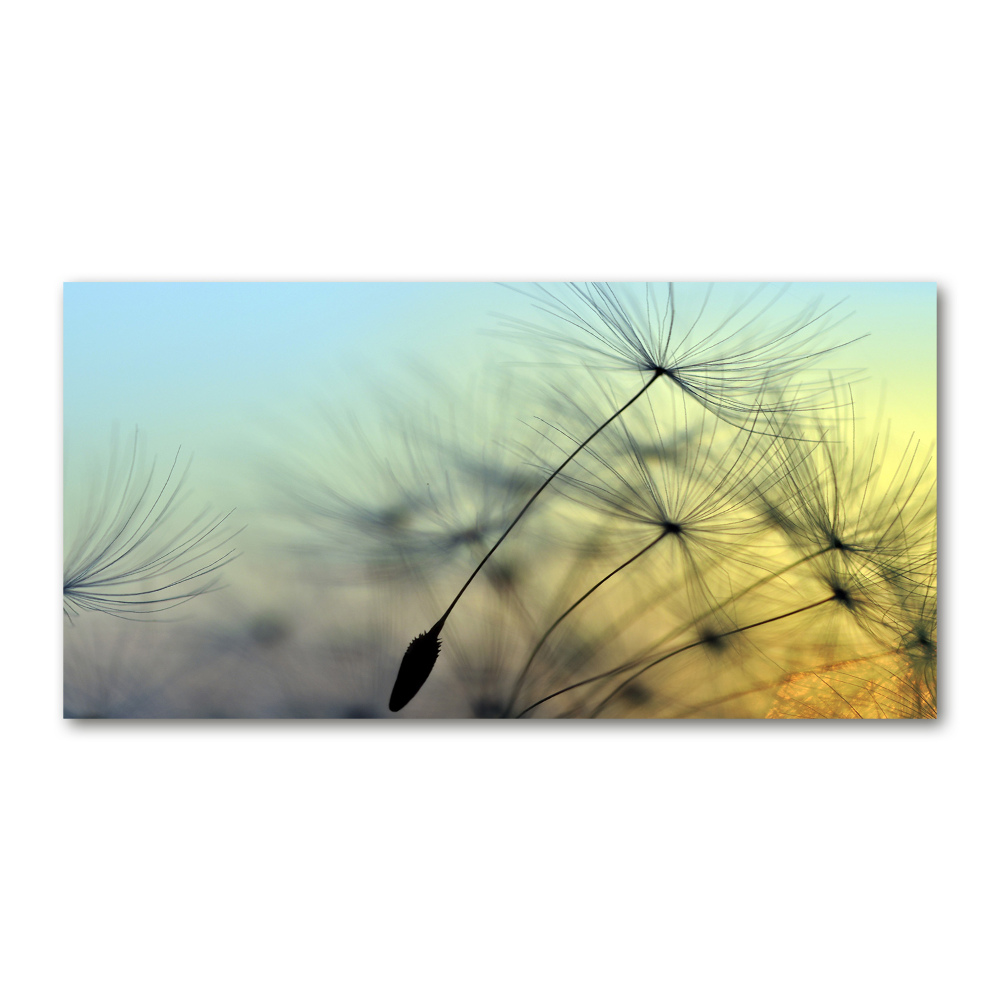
(519, 500)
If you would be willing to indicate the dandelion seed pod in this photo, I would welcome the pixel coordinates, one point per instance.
(416, 666)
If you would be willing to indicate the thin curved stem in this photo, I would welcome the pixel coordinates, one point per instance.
(690, 623)
(420, 656)
(541, 642)
(616, 628)
(569, 458)
(672, 653)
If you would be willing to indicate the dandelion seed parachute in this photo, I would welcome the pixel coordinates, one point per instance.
(414, 492)
(854, 499)
(129, 561)
(721, 356)
(673, 481)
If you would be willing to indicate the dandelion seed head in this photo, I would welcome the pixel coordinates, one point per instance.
(720, 354)
(674, 470)
(870, 502)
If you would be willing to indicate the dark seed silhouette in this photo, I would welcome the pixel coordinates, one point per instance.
(418, 661)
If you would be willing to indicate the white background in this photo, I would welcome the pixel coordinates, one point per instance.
(524, 140)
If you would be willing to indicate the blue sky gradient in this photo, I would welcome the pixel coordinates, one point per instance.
(229, 370)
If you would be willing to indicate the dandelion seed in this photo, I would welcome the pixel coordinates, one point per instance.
(513, 524)
(418, 661)
(129, 560)
(693, 495)
(410, 495)
(721, 359)
(854, 500)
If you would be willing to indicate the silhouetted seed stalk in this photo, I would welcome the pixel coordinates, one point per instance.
(419, 659)
(612, 631)
(674, 652)
(695, 620)
(849, 590)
